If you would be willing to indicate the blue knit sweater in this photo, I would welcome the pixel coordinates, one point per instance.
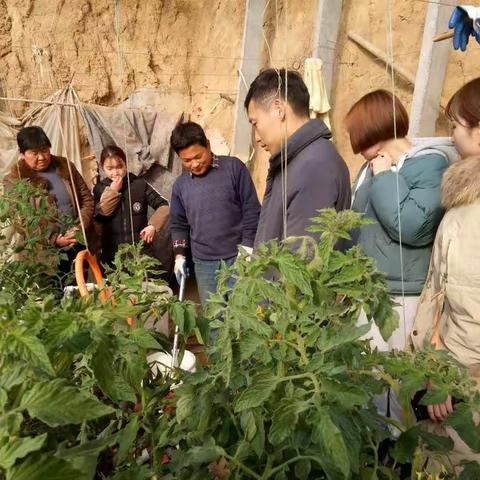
(214, 213)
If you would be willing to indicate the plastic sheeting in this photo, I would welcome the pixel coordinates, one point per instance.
(60, 122)
(144, 133)
(8, 141)
(142, 126)
(139, 126)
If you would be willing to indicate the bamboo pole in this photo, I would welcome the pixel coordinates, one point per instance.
(376, 52)
(31, 100)
(431, 72)
(443, 36)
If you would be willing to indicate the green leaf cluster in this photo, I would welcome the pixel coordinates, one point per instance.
(291, 385)
(78, 399)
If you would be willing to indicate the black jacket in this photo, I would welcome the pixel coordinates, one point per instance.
(116, 228)
(317, 177)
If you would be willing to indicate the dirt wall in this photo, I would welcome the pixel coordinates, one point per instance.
(288, 38)
(184, 47)
(358, 72)
(191, 50)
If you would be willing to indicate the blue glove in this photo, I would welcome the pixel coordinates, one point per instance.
(465, 20)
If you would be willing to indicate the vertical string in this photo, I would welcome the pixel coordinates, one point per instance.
(282, 150)
(285, 137)
(268, 101)
(392, 74)
(72, 180)
(122, 76)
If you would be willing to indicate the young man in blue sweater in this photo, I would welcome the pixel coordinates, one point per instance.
(214, 207)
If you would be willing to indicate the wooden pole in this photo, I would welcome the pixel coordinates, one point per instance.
(431, 70)
(249, 69)
(31, 100)
(376, 52)
(327, 25)
(443, 36)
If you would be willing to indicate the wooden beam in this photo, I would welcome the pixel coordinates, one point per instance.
(432, 66)
(327, 25)
(376, 52)
(31, 100)
(444, 36)
(249, 69)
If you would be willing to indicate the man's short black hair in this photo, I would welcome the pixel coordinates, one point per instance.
(185, 135)
(271, 83)
(31, 138)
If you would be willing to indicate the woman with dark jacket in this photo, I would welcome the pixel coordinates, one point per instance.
(120, 201)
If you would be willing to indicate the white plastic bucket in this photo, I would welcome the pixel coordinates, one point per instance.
(69, 290)
(161, 363)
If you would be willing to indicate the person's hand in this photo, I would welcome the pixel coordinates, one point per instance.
(465, 20)
(440, 411)
(117, 183)
(381, 163)
(180, 268)
(72, 232)
(65, 241)
(148, 234)
(249, 251)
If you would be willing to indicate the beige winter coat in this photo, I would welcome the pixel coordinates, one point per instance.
(455, 266)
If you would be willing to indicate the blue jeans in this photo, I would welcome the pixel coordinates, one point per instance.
(206, 275)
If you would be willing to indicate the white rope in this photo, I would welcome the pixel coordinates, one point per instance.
(267, 102)
(282, 149)
(392, 72)
(242, 77)
(122, 76)
(31, 100)
(285, 137)
(275, 95)
(72, 180)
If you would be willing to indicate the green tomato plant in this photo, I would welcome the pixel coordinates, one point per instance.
(78, 399)
(289, 390)
(291, 385)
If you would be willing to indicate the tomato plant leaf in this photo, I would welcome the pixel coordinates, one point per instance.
(56, 403)
(258, 392)
(17, 448)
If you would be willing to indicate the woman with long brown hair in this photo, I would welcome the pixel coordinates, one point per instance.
(448, 315)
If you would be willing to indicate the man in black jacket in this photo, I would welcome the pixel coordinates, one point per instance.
(317, 177)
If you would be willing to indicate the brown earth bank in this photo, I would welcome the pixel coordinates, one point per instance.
(191, 50)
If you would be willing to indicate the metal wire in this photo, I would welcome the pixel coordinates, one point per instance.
(116, 4)
(389, 30)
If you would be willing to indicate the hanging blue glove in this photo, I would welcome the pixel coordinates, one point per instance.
(465, 20)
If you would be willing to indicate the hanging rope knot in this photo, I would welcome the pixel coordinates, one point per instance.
(37, 51)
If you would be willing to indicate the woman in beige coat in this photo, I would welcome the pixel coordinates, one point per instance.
(448, 314)
(455, 269)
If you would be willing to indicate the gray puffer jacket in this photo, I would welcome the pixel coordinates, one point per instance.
(419, 181)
